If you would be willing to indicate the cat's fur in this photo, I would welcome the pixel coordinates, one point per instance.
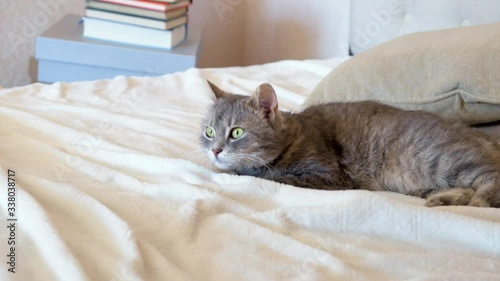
(356, 145)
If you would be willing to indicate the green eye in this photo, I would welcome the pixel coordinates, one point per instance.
(210, 132)
(236, 133)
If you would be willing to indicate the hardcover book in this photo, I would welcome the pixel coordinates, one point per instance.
(150, 5)
(167, 1)
(110, 7)
(133, 34)
(141, 21)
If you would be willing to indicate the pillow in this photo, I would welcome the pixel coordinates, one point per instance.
(453, 72)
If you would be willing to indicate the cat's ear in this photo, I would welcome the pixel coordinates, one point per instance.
(266, 99)
(217, 91)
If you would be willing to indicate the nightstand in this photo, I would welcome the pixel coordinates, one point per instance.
(63, 54)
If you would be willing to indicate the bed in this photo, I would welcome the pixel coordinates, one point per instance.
(111, 184)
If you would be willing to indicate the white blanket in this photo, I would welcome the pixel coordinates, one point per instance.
(111, 185)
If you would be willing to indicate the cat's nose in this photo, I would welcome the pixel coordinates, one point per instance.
(216, 151)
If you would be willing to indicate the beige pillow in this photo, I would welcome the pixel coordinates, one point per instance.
(453, 72)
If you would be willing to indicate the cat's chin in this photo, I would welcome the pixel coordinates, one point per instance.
(223, 166)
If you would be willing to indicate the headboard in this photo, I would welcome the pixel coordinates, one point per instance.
(375, 21)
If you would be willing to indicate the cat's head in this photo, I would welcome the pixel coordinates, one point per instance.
(243, 132)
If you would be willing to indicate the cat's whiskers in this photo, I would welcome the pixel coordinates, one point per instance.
(198, 156)
(196, 153)
(210, 166)
(252, 159)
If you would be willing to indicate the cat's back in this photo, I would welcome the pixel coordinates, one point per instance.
(347, 111)
(370, 122)
(348, 118)
(374, 118)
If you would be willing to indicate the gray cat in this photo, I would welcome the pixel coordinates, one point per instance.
(354, 145)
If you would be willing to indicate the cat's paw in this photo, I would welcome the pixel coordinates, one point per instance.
(477, 202)
(452, 196)
(434, 202)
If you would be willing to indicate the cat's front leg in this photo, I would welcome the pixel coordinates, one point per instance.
(308, 180)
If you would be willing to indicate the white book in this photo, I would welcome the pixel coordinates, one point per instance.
(110, 7)
(166, 1)
(133, 34)
(152, 5)
(147, 22)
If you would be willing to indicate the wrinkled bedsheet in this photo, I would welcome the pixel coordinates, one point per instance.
(110, 184)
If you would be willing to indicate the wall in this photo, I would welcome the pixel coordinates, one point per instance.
(223, 24)
(239, 32)
(20, 22)
(296, 30)
(236, 32)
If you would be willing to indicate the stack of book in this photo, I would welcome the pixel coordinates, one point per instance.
(159, 23)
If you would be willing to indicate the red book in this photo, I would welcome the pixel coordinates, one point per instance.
(151, 5)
